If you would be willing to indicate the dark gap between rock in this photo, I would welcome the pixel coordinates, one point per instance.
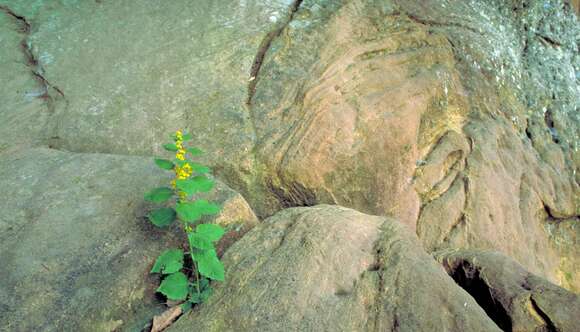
(468, 278)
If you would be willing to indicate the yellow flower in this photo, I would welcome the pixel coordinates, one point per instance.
(181, 172)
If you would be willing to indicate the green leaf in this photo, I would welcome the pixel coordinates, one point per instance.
(203, 183)
(164, 163)
(206, 207)
(170, 261)
(199, 242)
(194, 185)
(201, 297)
(159, 195)
(170, 147)
(186, 306)
(192, 211)
(162, 217)
(174, 286)
(211, 232)
(188, 212)
(204, 284)
(199, 168)
(209, 264)
(195, 298)
(186, 137)
(195, 151)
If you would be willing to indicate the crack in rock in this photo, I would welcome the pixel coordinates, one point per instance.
(434, 23)
(25, 27)
(549, 325)
(265, 46)
(469, 278)
(555, 217)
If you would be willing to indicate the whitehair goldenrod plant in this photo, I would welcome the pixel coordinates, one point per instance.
(190, 179)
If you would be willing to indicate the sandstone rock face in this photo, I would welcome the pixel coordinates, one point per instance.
(457, 118)
(118, 77)
(520, 187)
(75, 246)
(349, 133)
(329, 268)
(24, 107)
(514, 298)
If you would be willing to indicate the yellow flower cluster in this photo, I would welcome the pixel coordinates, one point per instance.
(179, 143)
(184, 171)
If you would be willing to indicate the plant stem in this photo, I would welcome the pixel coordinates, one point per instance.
(196, 274)
(194, 263)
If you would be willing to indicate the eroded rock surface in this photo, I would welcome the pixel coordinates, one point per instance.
(514, 298)
(26, 104)
(459, 118)
(329, 268)
(129, 73)
(519, 183)
(75, 246)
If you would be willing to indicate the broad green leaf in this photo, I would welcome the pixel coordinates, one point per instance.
(159, 195)
(192, 211)
(170, 261)
(195, 151)
(199, 168)
(170, 147)
(174, 286)
(162, 217)
(188, 212)
(203, 183)
(186, 137)
(211, 232)
(199, 242)
(164, 163)
(209, 265)
(194, 185)
(206, 207)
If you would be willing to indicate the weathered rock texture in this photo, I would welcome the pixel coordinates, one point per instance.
(459, 118)
(514, 298)
(329, 268)
(75, 246)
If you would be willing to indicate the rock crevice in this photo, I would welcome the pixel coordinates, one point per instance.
(513, 297)
(265, 46)
(25, 27)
